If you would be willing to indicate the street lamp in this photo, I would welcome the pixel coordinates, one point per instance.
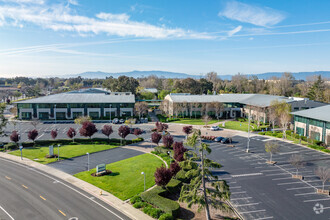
(110, 113)
(169, 154)
(87, 161)
(144, 174)
(248, 142)
(55, 112)
(58, 152)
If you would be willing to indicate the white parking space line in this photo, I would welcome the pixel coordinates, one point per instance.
(7, 213)
(311, 181)
(249, 204)
(278, 174)
(279, 184)
(315, 200)
(284, 178)
(305, 187)
(233, 193)
(269, 217)
(293, 152)
(246, 174)
(262, 210)
(302, 194)
(235, 187)
(240, 198)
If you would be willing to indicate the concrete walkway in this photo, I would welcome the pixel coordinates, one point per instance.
(108, 198)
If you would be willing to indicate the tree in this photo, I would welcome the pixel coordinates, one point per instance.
(297, 161)
(167, 141)
(163, 93)
(316, 92)
(283, 110)
(82, 119)
(187, 130)
(324, 174)
(272, 116)
(32, 135)
(53, 133)
(88, 129)
(123, 131)
(174, 168)
(271, 147)
(122, 84)
(204, 189)
(161, 126)
(286, 84)
(3, 120)
(14, 137)
(162, 175)
(137, 132)
(179, 151)
(218, 108)
(35, 123)
(206, 119)
(155, 138)
(71, 133)
(141, 108)
(107, 131)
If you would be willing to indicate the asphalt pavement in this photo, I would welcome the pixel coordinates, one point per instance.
(79, 164)
(263, 191)
(27, 193)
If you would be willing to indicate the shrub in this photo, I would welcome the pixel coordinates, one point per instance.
(153, 212)
(181, 175)
(88, 129)
(174, 168)
(269, 133)
(279, 135)
(166, 216)
(155, 197)
(10, 146)
(168, 141)
(135, 199)
(174, 186)
(155, 138)
(288, 132)
(162, 150)
(179, 151)
(139, 205)
(262, 133)
(123, 131)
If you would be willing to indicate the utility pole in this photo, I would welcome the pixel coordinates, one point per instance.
(87, 161)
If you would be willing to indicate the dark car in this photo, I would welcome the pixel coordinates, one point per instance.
(226, 141)
(218, 139)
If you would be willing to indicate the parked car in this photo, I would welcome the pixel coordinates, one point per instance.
(218, 139)
(121, 121)
(215, 128)
(115, 121)
(226, 141)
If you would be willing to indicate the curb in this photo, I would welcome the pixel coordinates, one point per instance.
(106, 197)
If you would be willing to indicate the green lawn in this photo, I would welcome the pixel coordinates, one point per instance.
(194, 121)
(66, 151)
(237, 125)
(126, 180)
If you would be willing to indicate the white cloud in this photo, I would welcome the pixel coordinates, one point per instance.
(61, 18)
(234, 31)
(39, 2)
(73, 2)
(251, 14)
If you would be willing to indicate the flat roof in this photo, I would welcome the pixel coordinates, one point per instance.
(260, 100)
(69, 97)
(319, 113)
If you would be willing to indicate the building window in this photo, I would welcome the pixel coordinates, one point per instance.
(43, 115)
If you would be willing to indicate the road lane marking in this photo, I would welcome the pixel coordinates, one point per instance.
(62, 212)
(262, 210)
(11, 217)
(8, 178)
(315, 200)
(43, 198)
(25, 186)
(249, 204)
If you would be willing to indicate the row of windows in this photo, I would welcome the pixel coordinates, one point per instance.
(311, 121)
(76, 105)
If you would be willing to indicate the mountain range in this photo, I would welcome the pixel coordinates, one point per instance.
(165, 74)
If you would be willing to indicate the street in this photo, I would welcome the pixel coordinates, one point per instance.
(27, 193)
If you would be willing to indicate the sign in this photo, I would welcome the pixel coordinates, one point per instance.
(51, 150)
(100, 168)
(21, 148)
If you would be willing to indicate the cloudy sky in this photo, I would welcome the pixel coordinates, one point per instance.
(48, 38)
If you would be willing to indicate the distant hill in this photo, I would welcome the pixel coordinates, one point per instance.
(165, 74)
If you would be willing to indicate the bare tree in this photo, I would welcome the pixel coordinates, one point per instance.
(176, 109)
(141, 108)
(218, 108)
(324, 174)
(164, 106)
(206, 119)
(271, 147)
(297, 161)
(283, 110)
(35, 123)
(272, 117)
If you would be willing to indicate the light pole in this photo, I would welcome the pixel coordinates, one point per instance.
(58, 152)
(110, 113)
(55, 113)
(21, 149)
(169, 154)
(248, 142)
(87, 161)
(144, 174)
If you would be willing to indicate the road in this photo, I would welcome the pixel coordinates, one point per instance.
(27, 193)
(263, 191)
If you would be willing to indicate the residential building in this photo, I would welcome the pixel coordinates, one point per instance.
(313, 123)
(233, 105)
(93, 102)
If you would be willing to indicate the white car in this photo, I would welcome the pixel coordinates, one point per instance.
(215, 128)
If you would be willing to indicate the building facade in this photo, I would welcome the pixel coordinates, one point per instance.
(229, 105)
(313, 123)
(96, 103)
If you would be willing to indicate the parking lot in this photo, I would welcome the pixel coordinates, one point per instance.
(44, 130)
(263, 191)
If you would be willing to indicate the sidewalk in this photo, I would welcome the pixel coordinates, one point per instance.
(110, 199)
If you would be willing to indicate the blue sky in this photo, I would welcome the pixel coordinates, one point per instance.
(48, 38)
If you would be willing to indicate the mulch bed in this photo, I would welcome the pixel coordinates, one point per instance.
(107, 172)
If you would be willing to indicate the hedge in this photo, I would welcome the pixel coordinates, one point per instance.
(163, 150)
(181, 175)
(156, 197)
(112, 141)
(166, 216)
